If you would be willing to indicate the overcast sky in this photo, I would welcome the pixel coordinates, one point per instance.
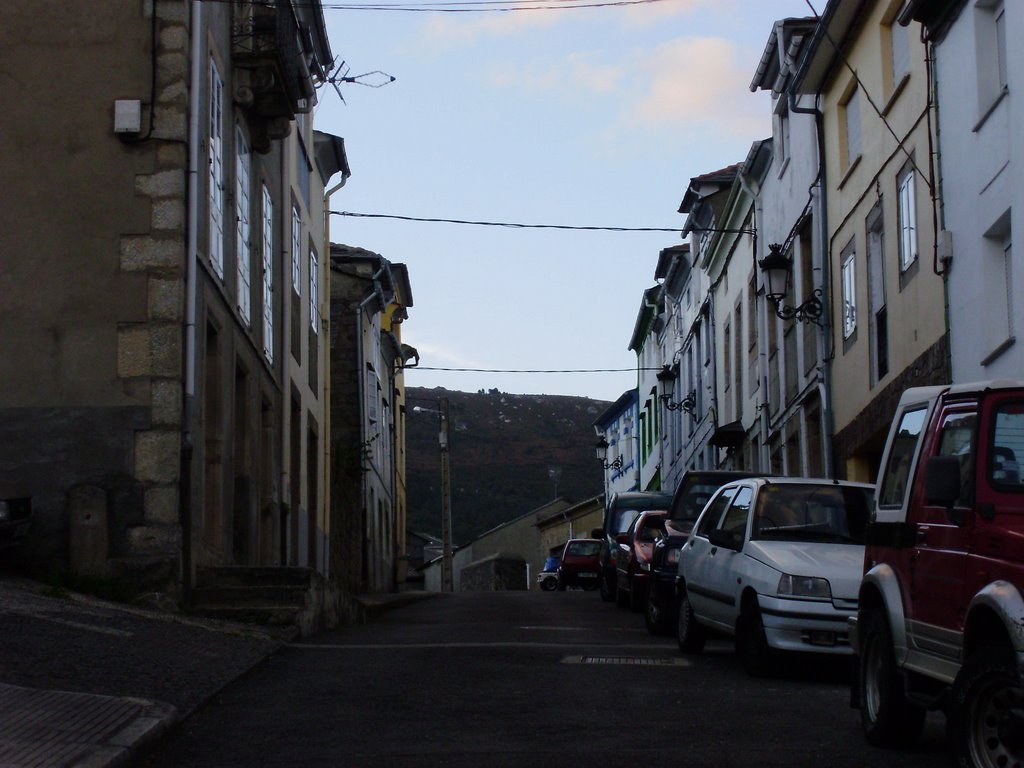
(584, 117)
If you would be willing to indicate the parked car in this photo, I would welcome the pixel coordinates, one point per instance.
(633, 558)
(548, 577)
(940, 622)
(695, 489)
(775, 563)
(579, 566)
(619, 513)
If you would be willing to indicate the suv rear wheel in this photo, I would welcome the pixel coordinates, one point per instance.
(986, 718)
(886, 715)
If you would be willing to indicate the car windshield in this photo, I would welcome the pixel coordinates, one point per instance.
(811, 512)
(694, 501)
(583, 548)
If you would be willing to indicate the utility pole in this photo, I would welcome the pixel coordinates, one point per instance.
(446, 499)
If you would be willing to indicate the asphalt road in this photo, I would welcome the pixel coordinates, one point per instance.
(526, 679)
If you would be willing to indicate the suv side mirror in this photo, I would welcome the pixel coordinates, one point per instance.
(942, 484)
(726, 539)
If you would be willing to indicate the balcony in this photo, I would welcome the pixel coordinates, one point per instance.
(272, 75)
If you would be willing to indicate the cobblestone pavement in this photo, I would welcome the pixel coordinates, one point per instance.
(83, 682)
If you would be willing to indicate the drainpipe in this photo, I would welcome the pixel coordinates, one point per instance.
(325, 314)
(762, 360)
(361, 391)
(191, 288)
(825, 383)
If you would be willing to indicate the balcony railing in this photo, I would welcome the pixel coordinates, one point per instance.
(267, 45)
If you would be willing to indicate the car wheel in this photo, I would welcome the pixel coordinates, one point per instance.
(655, 617)
(547, 585)
(689, 633)
(888, 718)
(986, 717)
(751, 643)
(607, 587)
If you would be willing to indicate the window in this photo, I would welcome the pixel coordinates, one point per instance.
(849, 291)
(242, 227)
(781, 133)
(735, 520)
(997, 279)
(907, 221)
(216, 181)
(899, 39)
(314, 298)
(876, 296)
(896, 479)
(990, 45)
(957, 439)
(268, 275)
(1008, 448)
(296, 251)
(304, 169)
(713, 512)
(850, 111)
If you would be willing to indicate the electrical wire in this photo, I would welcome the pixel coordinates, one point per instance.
(540, 370)
(499, 6)
(501, 224)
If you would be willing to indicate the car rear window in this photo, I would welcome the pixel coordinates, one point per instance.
(811, 512)
(583, 548)
(690, 504)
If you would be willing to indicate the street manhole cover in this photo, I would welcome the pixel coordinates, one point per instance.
(634, 661)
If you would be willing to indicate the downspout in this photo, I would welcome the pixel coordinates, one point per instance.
(325, 428)
(824, 347)
(762, 361)
(361, 395)
(191, 287)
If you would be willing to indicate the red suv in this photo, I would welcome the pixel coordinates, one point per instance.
(940, 621)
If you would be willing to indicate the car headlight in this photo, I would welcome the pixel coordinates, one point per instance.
(672, 556)
(804, 586)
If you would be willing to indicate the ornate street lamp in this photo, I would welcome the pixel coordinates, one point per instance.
(667, 383)
(777, 270)
(601, 454)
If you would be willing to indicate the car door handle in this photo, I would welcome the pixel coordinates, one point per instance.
(714, 550)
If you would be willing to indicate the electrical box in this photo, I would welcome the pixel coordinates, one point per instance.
(127, 116)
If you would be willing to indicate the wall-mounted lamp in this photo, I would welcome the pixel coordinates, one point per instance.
(667, 383)
(601, 454)
(777, 270)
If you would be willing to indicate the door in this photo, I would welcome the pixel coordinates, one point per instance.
(723, 562)
(939, 557)
(696, 555)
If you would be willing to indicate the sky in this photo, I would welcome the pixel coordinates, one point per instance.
(582, 117)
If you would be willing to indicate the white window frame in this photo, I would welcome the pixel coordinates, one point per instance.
(296, 251)
(906, 222)
(268, 275)
(216, 175)
(243, 225)
(314, 274)
(849, 283)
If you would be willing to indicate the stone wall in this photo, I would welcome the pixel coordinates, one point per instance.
(497, 573)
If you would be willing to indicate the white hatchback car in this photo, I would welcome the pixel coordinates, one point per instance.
(776, 563)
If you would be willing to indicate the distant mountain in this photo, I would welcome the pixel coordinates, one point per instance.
(509, 454)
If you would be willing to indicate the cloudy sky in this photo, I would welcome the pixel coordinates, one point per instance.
(583, 117)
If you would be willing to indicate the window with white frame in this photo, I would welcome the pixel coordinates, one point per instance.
(216, 180)
(296, 251)
(314, 277)
(267, 212)
(243, 256)
(907, 217)
(849, 283)
(997, 279)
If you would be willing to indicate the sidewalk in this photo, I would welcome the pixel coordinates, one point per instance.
(86, 683)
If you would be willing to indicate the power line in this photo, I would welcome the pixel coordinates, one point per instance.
(541, 370)
(510, 225)
(495, 6)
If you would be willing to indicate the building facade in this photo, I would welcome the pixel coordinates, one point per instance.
(150, 322)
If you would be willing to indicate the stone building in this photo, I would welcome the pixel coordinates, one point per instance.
(163, 247)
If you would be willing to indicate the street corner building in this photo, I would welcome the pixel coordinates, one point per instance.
(163, 407)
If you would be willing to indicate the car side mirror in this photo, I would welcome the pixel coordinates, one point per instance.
(622, 538)
(726, 539)
(942, 485)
